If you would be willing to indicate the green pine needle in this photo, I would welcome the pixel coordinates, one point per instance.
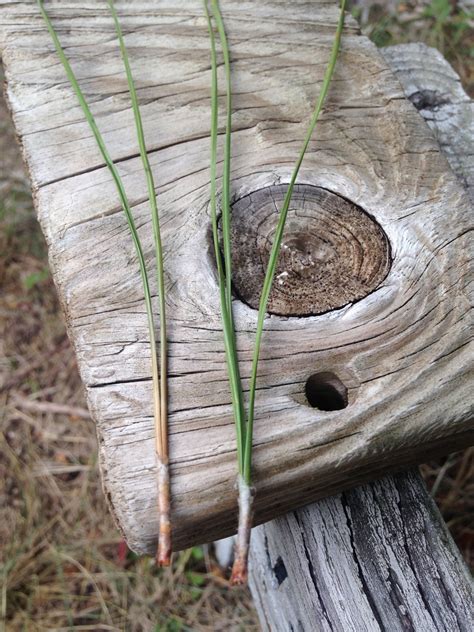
(128, 214)
(227, 154)
(156, 230)
(273, 259)
(226, 307)
(245, 429)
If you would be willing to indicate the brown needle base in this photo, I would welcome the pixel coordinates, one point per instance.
(239, 574)
(163, 555)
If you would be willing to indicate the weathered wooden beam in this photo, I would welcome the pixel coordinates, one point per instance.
(378, 557)
(400, 351)
(436, 91)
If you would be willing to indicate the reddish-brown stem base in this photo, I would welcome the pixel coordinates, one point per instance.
(163, 555)
(239, 574)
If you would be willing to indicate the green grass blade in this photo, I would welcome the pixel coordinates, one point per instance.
(125, 205)
(156, 227)
(227, 156)
(273, 259)
(227, 323)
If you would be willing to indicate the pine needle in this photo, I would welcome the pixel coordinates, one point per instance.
(273, 259)
(227, 155)
(226, 307)
(159, 394)
(156, 228)
(245, 429)
(161, 431)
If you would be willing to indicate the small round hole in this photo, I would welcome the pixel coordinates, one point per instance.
(325, 391)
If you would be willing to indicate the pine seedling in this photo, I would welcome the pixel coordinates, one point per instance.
(245, 427)
(159, 388)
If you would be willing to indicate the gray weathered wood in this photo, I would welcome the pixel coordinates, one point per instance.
(401, 351)
(436, 91)
(379, 557)
(374, 559)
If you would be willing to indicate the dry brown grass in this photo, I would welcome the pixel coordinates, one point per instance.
(451, 481)
(63, 565)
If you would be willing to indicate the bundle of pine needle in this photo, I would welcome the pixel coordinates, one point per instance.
(159, 373)
(244, 423)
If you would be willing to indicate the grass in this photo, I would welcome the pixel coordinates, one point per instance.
(48, 468)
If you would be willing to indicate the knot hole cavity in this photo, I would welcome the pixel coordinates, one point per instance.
(325, 391)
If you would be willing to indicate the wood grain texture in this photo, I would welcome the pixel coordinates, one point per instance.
(402, 351)
(332, 253)
(436, 91)
(379, 557)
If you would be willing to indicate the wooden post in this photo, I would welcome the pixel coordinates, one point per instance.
(378, 557)
(374, 559)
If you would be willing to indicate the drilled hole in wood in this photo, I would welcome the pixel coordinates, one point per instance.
(333, 253)
(325, 391)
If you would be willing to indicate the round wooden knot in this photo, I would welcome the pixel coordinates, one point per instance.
(332, 253)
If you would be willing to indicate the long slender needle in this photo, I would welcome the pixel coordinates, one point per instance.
(227, 154)
(158, 397)
(273, 259)
(156, 231)
(239, 571)
(161, 430)
(123, 200)
(226, 309)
